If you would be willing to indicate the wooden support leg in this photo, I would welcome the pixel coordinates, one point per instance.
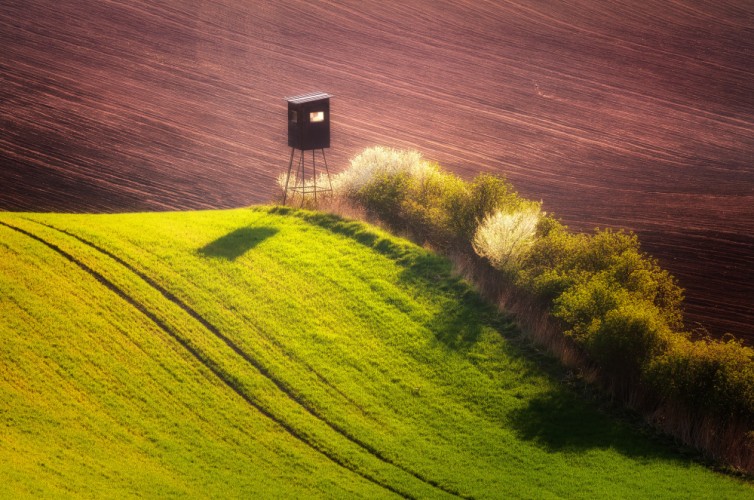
(288, 177)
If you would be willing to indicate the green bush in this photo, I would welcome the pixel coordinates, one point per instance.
(583, 306)
(385, 196)
(560, 260)
(706, 376)
(642, 276)
(427, 207)
(545, 270)
(628, 337)
(485, 195)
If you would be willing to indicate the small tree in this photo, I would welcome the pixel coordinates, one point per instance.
(504, 238)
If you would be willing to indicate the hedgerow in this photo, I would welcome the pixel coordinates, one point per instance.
(708, 375)
(613, 301)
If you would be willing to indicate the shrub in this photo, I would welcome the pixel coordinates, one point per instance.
(504, 238)
(385, 197)
(583, 306)
(386, 183)
(376, 163)
(427, 207)
(707, 376)
(642, 276)
(625, 339)
(544, 270)
(485, 195)
(559, 260)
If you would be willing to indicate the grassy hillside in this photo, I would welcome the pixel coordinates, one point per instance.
(279, 353)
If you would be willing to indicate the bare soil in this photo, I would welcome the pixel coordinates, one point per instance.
(637, 115)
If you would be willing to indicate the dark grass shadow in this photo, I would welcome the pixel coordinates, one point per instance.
(561, 420)
(355, 230)
(458, 326)
(236, 243)
(558, 421)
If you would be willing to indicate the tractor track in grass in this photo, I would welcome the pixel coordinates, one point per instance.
(212, 328)
(224, 377)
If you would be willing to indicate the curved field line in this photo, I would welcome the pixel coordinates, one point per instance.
(209, 326)
(224, 377)
(280, 384)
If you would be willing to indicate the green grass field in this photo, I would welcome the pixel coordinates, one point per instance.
(285, 354)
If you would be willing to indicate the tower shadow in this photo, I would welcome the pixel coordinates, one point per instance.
(236, 243)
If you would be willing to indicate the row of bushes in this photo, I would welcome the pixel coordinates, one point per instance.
(415, 195)
(613, 301)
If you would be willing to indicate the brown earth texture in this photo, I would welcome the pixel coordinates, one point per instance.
(636, 115)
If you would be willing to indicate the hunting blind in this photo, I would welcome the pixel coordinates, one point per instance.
(308, 130)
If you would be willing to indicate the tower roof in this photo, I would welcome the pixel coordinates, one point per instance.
(311, 96)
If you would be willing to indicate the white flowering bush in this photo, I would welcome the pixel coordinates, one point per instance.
(504, 238)
(377, 162)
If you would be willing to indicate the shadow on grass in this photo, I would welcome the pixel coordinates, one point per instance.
(236, 243)
(459, 325)
(559, 420)
(355, 230)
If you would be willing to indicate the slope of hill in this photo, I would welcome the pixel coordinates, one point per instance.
(623, 114)
(279, 353)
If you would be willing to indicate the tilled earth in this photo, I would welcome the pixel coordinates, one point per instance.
(636, 115)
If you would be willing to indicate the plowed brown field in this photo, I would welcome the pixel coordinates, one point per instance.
(624, 114)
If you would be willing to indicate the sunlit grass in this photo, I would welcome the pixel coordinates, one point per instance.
(279, 353)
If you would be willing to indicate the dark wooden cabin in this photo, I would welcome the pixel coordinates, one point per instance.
(309, 121)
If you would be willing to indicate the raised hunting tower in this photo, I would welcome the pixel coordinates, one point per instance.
(308, 130)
